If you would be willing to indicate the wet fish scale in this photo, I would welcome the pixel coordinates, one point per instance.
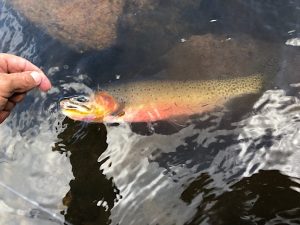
(161, 100)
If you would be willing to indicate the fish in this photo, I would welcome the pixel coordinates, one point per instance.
(157, 100)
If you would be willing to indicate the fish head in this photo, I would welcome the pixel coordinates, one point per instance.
(91, 109)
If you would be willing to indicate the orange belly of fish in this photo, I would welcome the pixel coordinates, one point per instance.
(152, 112)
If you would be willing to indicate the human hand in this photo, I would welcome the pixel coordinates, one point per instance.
(17, 77)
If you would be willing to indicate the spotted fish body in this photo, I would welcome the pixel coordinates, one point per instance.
(150, 101)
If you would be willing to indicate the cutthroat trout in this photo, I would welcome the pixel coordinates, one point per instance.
(150, 101)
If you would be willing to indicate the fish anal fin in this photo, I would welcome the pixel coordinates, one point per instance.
(180, 121)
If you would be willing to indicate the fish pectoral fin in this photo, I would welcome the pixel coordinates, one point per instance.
(120, 111)
(120, 114)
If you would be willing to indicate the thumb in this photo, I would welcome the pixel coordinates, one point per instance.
(25, 81)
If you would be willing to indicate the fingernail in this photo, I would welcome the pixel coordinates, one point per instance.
(37, 77)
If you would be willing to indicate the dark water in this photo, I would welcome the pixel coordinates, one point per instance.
(238, 165)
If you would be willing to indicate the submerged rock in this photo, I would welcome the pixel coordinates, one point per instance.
(81, 24)
(210, 56)
(95, 24)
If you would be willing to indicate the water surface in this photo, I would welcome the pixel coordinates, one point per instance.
(235, 165)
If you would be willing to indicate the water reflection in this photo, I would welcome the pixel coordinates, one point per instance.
(91, 195)
(28, 180)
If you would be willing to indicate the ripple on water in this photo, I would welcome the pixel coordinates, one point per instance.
(169, 179)
(12, 35)
(214, 171)
(29, 166)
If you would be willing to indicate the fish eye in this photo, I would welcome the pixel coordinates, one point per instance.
(81, 99)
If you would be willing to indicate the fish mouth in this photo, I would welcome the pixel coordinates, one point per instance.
(92, 109)
(81, 109)
(76, 103)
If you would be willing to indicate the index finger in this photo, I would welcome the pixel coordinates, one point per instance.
(15, 64)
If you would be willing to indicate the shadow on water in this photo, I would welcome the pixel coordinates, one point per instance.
(267, 197)
(91, 195)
